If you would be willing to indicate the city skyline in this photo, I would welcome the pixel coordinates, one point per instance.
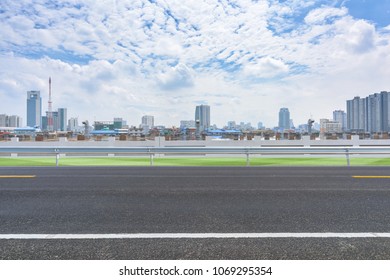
(371, 112)
(245, 59)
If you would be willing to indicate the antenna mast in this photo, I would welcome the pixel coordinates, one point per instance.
(50, 126)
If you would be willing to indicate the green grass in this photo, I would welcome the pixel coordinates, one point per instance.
(195, 161)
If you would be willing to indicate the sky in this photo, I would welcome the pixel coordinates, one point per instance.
(244, 58)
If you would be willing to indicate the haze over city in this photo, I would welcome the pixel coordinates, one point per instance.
(246, 59)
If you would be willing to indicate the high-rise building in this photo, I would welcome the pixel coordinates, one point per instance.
(284, 119)
(10, 121)
(147, 121)
(14, 121)
(119, 123)
(356, 114)
(3, 120)
(34, 108)
(45, 121)
(369, 114)
(385, 111)
(73, 124)
(292, 126)
(374, 105)
(202, 115)
(62, 119)
(187, 124)
(341, 117)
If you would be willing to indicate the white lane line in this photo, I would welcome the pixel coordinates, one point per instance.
(200, 235)
(16, 176)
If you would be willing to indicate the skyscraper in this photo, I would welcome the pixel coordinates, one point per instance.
(34, 108)
(202, 114)
(62, 119)
(356, 112)
(341, 117)
(284, 119)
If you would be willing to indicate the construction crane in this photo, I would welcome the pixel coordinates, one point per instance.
(86, 128)
(310, 125)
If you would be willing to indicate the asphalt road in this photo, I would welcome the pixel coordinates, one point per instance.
(107, 200)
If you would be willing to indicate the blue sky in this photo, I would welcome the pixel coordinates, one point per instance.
(246, 59)
(375, 11)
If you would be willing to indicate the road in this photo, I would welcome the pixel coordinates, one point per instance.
(180, 201)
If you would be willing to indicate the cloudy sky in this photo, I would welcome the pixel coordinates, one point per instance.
(244, 58)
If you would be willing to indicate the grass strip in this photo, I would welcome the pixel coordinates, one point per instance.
(195, 161)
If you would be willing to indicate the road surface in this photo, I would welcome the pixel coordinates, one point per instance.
(195, 213)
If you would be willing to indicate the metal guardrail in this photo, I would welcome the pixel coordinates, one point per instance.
(152, 151)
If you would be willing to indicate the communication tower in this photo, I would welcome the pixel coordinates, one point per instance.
(50, 126)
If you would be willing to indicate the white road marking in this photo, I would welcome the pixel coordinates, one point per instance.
(200, 235)
(16, 176)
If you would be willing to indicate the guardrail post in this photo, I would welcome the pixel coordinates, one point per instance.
(347, 156)
(151, 157)
(57, 151)
(247, 158)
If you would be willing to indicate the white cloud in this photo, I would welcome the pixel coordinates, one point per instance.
(21, 23)
(359, 36)
(266, 67)
(321, 15)
(176, 77)
(168, 47)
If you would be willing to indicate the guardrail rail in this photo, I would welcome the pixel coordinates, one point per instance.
(152, 151)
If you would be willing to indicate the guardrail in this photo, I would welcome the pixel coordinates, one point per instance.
(152, 151)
